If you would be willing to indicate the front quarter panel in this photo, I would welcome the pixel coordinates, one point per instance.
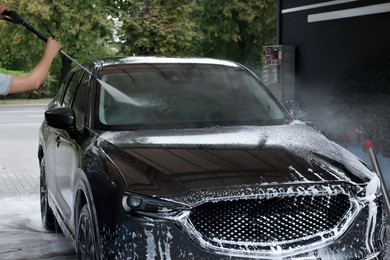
(106, 186)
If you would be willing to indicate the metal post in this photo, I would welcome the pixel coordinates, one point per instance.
(369, 145)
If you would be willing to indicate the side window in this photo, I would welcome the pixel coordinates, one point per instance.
(71, 89)
(59, 97)
(80, 103)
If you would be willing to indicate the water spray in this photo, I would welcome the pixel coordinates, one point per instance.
(14, 17)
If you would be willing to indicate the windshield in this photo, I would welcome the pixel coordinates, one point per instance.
(157, 95)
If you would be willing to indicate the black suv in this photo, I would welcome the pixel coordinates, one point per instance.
(194, 159)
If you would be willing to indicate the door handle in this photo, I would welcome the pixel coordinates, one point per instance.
(58, 140)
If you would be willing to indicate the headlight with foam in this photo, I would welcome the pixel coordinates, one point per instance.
(135, 203)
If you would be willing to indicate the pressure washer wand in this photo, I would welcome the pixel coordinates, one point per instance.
(14, 17)
(78, 64)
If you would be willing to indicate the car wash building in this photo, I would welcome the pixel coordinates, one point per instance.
(334, 57)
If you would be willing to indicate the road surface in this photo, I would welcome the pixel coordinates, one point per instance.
(21, 233)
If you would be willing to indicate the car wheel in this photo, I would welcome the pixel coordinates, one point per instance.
(48, 219)
(86, 235)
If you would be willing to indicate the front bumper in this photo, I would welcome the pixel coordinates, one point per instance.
(141, 237)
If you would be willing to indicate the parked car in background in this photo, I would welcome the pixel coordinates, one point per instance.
(186, 158)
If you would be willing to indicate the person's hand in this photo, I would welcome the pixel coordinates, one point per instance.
(2, 9)
(52, 47)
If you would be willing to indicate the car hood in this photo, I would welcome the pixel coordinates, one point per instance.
(164, 162)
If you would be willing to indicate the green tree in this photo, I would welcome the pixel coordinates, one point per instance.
(155, 27)
(229, 29)
(237, 29)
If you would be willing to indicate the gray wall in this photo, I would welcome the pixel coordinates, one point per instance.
(342, 64)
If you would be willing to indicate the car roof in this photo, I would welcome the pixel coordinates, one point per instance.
(165, 60)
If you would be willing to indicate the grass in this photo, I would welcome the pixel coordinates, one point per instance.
(43, 101)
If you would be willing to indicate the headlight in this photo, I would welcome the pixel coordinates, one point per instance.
(132, 202)
(150, 206)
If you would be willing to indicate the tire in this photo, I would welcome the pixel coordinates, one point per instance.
(47, 216)
(86, 236)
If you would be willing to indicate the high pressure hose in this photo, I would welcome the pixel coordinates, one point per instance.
(14, 17)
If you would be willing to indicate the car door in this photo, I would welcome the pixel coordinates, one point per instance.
(51, 135)
(66, 155)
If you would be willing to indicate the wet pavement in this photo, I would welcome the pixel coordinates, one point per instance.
(22, 235)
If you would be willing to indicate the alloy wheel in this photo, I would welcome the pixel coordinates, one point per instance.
(48, 219)
(86, 244)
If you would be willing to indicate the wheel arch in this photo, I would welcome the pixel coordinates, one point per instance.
(97, 183)
(83, 196)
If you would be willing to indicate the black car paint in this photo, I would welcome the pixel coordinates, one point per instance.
(178, 167)
(90, 174)
(98, 167)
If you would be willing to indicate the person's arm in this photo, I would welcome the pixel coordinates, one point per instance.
(39, 73)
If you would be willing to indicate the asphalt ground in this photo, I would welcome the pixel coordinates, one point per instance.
(19, 169)
(22, 235)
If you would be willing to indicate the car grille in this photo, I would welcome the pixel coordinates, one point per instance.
(259, 221)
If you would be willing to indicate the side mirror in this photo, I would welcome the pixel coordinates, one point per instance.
(62, 118)
(296, 109)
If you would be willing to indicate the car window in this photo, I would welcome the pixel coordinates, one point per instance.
(81, 101)
(59, 97)
(72, 86)
(185, 93)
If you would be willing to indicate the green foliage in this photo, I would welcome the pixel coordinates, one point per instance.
(228, 29)
(155, 27)
(13, 72)
(237, 29)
